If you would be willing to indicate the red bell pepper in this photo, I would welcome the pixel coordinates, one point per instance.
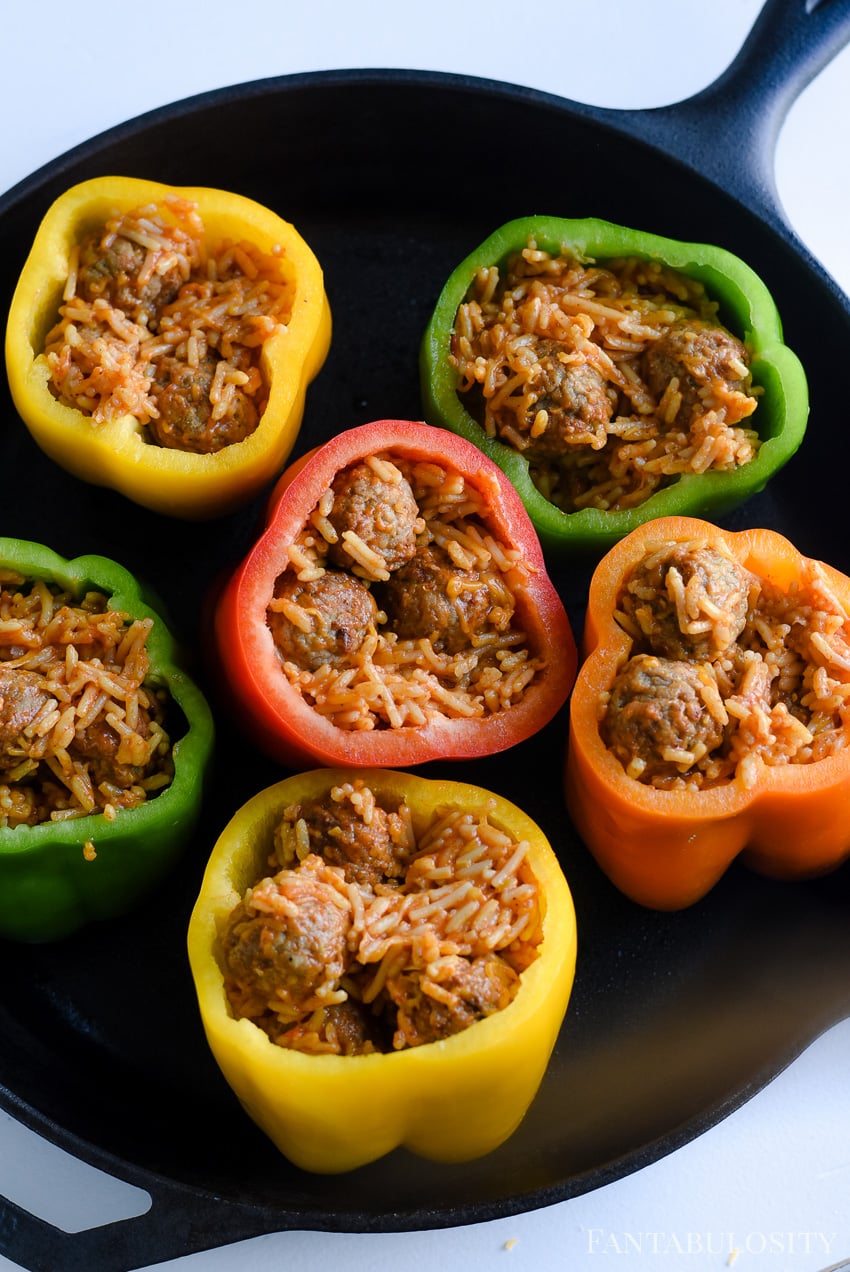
(249, 667)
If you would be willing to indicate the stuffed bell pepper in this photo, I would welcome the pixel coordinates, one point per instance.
(104, 742)
(711, 718)
(614, 375)
(160, 341)
(395, 609)
(382, 960)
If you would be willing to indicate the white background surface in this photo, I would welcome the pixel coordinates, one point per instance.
(768, 1190)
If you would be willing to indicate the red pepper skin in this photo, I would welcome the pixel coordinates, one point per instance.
(666, 849)
(284, 726)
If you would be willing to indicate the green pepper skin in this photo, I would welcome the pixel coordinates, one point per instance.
(746, 307)
(48, 889)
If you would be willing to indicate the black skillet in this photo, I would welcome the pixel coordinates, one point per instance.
(676, 1019)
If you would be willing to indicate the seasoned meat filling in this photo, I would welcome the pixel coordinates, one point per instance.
(367, 842)
(186, 420)
(321, 621)
(569, 404)
(377, 507)
(350, 1030)
(373, 938)
(709, 365)
(112, 268)
(468, 989)
(432, 598)
(657, 720)
(690, 602)
(287, 940)
(22, 699)
(112, 760)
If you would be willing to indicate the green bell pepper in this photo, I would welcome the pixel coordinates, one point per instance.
(59, 874)
(745, 307)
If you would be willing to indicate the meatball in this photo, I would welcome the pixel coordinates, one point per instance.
(707, 361)
(691, 602)
(285, 951)
(474, 988)
(362, 844)
(657, 716)
(335, 613)
(22, 697)
(350, 1029)
(575, 398)
(433, 597)
(110, 268)
(99, 745)
(380, 510)
(185, 421)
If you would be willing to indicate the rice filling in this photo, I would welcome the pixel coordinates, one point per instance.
(373, 936)
(82, 730)
(727, 671)
(159, 324)
(399, 603)
(611, 379)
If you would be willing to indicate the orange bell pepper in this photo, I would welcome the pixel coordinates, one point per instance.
(666, 848)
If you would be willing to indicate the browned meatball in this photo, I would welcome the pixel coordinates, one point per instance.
(433, 597)
(575, 397)
(381, 512)
(22, 697)
(284, 954)
(338, 612)
(98, 744)
(350, 1029)
(476, 987)
(182, 397)
(707, 361)
(656, 709)
(364, 848)
(716, 591)
(109, 269)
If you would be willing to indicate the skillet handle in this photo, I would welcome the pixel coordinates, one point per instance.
(728, 131)
(178, 1223)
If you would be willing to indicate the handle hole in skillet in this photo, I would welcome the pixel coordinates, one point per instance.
(54, 1186)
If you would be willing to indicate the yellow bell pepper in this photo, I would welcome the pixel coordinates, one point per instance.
(449, 1100)
(114, 453)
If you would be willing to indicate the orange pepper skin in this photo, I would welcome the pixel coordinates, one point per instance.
(172, 482)
(667, 849)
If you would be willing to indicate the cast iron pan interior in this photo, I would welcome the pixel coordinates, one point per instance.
(675, 1019)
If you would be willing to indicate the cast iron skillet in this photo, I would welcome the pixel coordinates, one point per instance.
(676, 1019)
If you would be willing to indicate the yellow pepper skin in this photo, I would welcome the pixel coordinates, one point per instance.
(176, 483)
(451, 1100)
